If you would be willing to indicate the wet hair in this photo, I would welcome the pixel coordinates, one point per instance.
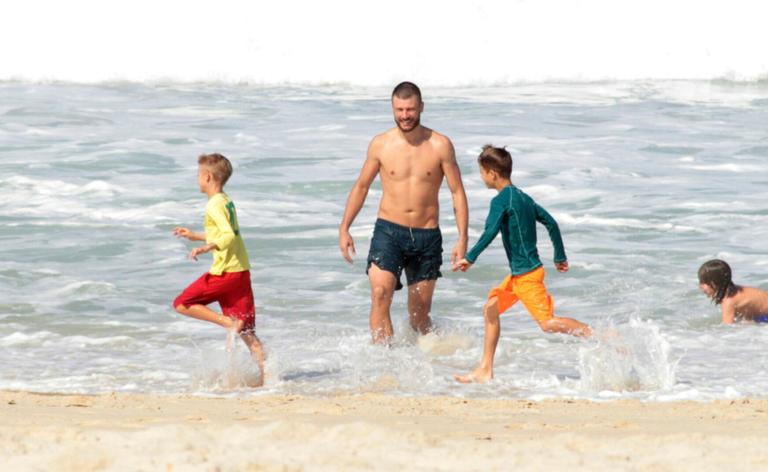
(219, 166)
(406, 90)
(496, 159)
(717, 274)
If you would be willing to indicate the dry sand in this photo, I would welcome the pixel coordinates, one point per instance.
(375, 432)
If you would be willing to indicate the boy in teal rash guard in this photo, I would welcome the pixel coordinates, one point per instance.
(515, 214)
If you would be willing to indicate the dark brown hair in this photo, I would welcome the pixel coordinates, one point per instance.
(717, 274)
(406, 90)
(219, 166)
(496, 159)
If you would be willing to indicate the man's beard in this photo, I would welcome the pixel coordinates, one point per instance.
(414, 124)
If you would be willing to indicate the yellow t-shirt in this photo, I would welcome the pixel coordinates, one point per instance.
(222, 229)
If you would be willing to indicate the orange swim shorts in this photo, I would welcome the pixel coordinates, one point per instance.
(528, 288)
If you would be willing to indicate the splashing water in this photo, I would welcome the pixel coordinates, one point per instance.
(631, 357)
(228, 370)
(88, 299)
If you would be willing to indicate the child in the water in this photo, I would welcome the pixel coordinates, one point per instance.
(514, 214)
(736, 302)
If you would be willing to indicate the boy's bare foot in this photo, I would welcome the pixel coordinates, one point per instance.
(257, 353)
(478, 376)
(259, 382)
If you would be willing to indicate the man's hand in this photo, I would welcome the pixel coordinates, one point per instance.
(459, 251)
(346, 244)
(182, 232)
(462, 265)
(201, 250)
(561, 266)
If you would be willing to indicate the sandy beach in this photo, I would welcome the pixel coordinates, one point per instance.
(379, 432)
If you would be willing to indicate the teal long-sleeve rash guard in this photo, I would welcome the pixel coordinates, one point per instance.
(515, 213)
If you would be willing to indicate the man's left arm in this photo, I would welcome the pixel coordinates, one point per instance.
(460, 208)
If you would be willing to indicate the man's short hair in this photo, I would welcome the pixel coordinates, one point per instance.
(406, 90)
(497, 159)
(220, 167)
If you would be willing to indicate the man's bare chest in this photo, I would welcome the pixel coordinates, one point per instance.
(411, 165)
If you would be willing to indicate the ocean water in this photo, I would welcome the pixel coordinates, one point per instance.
(648, 179)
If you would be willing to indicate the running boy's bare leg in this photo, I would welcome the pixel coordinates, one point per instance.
(383, 285)
(257, 351)
(420, 305)
(484, 371)
(202, 312)
(570, 326)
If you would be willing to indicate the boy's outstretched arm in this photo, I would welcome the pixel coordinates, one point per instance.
(201, 250)
(182, 232)
(543, 217)
(492, 228)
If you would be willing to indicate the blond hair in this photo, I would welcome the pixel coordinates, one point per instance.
(218, 165)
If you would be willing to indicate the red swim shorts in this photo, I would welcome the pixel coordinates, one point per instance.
(231, 289)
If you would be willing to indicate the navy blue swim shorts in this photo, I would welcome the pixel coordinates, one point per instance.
(418, 251)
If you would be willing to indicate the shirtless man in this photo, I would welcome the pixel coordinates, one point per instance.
(412, 161)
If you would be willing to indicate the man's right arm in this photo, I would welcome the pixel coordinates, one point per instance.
(357, 198)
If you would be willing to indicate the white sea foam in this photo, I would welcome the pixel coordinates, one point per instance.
(629, 357)
(553, 194)
(732, 205)
(730, 167)
(308, 234)
(590, 220)
(84, 341)
(20, 339)
(48, 187)
(85, 288)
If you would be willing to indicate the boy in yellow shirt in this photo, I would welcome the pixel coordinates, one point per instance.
(229, 279)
